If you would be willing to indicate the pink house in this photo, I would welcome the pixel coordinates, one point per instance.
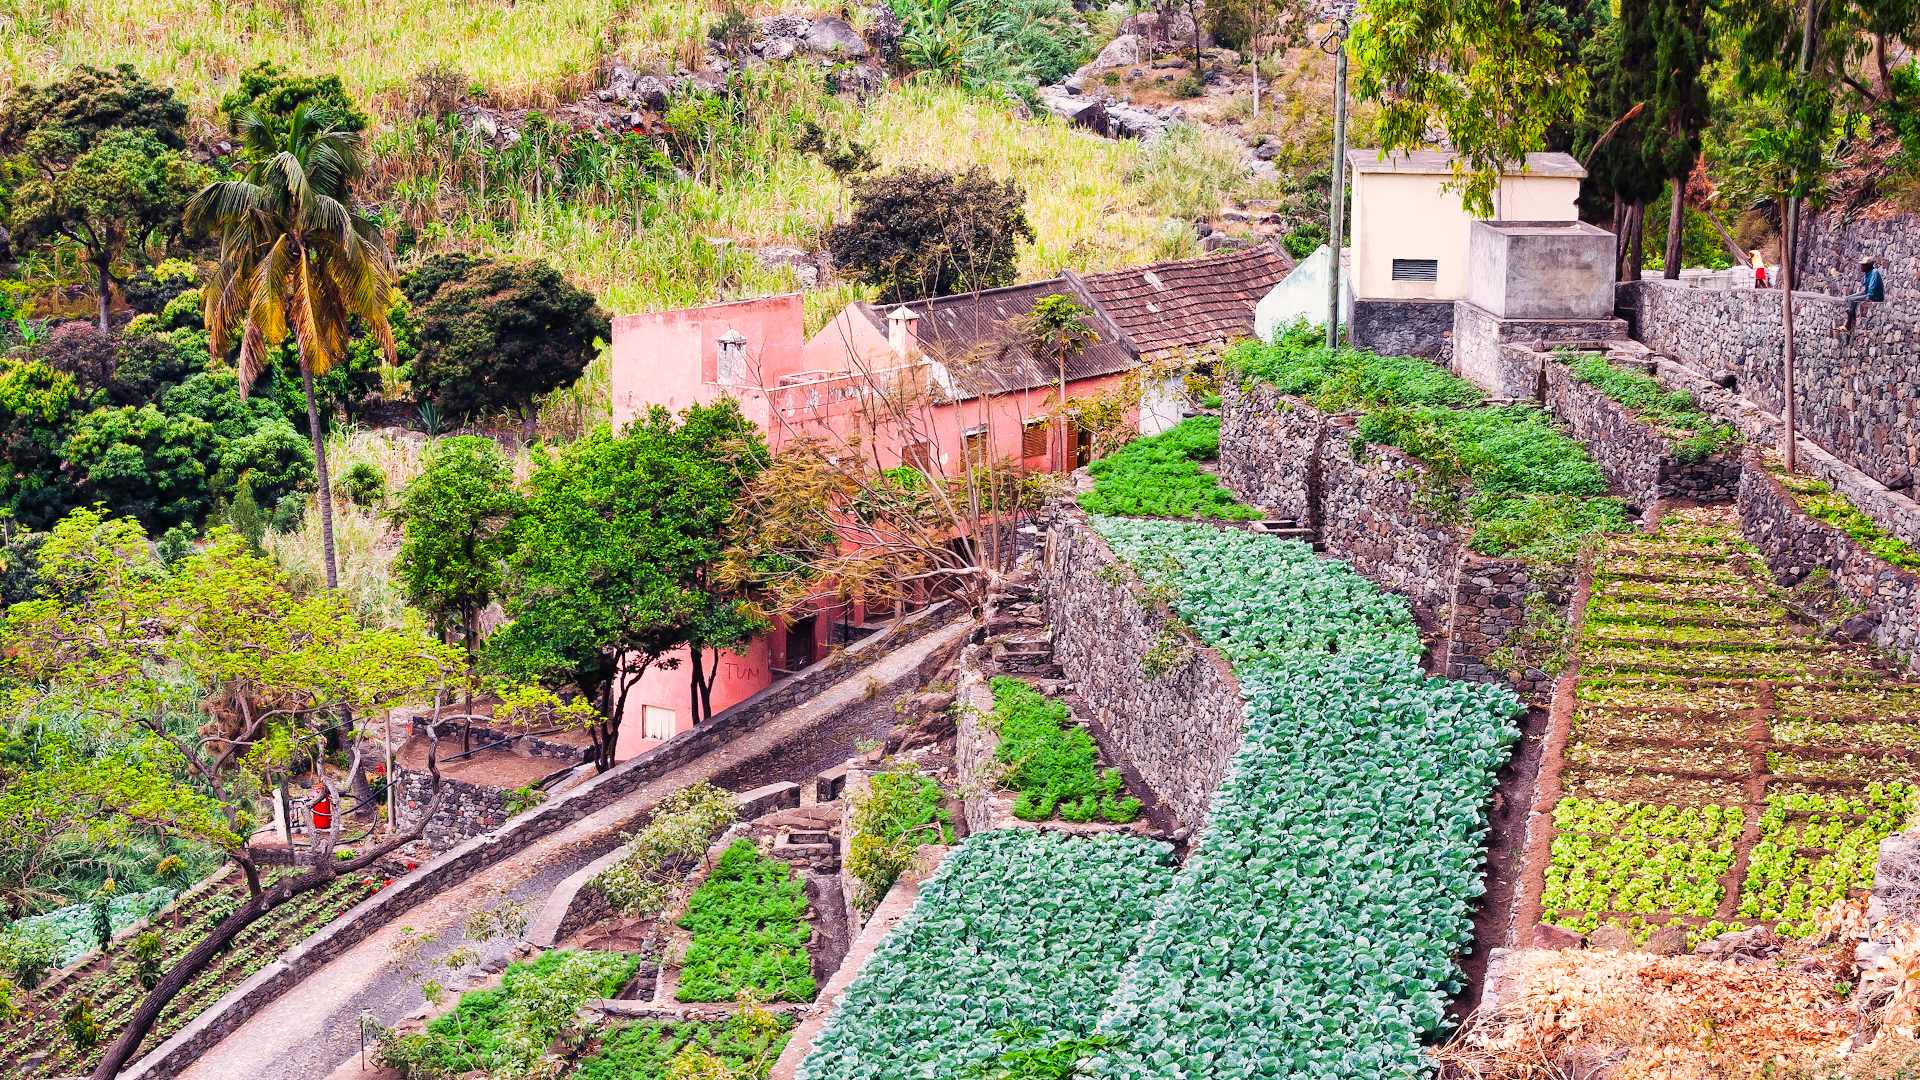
(958, 355)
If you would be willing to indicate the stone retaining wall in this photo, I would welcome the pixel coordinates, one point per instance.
(1368, 511)
(1795, 544)
(1272, 433)
(1833, 245)
(1854, 396)
(1179, 729)
(1635, 458)
(457, 865)
(467, 811)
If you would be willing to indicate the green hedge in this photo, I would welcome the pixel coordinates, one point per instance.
(749, 931)
(1156, 477)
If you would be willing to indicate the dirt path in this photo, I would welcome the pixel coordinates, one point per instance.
(310, 1030)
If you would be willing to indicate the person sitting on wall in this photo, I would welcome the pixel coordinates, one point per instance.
(1873, 289)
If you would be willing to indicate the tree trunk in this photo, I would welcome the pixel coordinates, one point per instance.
(364, 809)
(202, 954)
(1619, 239)
(320, 469)
(529, 420)
(1740, 255)
(1637, 220)
(1676, 228)
(106, 292)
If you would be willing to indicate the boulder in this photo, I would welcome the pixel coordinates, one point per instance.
(777, 26)
(650, 92)
(1611, 937)
(1741, 946)
(1556, 938)
(706, 82)
(799, 262)
(835, 37)
(884, 29)
(1123, 51)
(1667, 941)
(779, 48)
(862, 80)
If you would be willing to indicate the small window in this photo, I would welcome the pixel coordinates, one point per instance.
(1034, 440)
(1416, 269)
(918, 455)
(656, 722)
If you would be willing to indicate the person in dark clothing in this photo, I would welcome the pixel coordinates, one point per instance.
(1872, 289)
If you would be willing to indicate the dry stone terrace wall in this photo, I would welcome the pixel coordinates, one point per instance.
(1367, 510)
(1178, 729)
(1832, 247)
(1273, 435)
(1795, 545)
(1636, 459)
(1854, 395)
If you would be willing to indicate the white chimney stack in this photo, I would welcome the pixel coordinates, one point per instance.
(902, 333)
(730, 358)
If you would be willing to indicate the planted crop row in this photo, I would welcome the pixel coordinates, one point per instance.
(1694, 434)
(1020, 935)
(750, 932)
(1686, 717)
(112, 987)
(1158, 477)
(1051, 763)
(1314, 930)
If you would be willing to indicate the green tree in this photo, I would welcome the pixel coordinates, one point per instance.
(125, 186)
(1614, 130)
(267, 89)
(297, 257)
(1480, 71)
(142, 463)
(498, 334)
(1681, 110)
(37, 406)
(614, 550)
(917, 233)
(58, 122)
(457, 518)
(1057, 331)
(123, 644)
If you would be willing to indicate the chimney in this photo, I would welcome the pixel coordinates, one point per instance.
(902, 333)
(730, 358)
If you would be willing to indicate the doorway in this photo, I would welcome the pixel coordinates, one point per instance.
(800, 643)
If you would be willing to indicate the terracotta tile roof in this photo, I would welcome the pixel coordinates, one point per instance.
(965, 332)
(1187, 303)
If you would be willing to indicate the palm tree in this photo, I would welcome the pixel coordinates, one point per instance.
(296, 257)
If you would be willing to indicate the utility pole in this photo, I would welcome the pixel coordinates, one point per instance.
(1336, 212)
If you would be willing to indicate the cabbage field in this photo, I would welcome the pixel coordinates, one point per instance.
(1313, 932)
(1016, 941)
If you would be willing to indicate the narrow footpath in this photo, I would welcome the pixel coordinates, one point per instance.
(316, 1026)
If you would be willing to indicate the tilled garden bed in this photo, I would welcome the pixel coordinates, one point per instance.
(1718, 766)
(109, 980)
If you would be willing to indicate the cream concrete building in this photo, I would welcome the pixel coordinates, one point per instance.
(1410, 234)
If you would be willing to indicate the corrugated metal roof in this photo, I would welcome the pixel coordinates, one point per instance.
(976, 336)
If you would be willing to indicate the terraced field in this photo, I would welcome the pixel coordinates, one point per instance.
(1725, 767)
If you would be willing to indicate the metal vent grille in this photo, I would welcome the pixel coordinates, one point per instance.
(1416, 269)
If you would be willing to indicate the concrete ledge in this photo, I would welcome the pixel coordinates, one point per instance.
(898, 903)
(761, 801)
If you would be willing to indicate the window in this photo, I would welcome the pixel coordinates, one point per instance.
(1416, 269)
(976, 448)
(918, 456)
(1034, 440)
(656, 722)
